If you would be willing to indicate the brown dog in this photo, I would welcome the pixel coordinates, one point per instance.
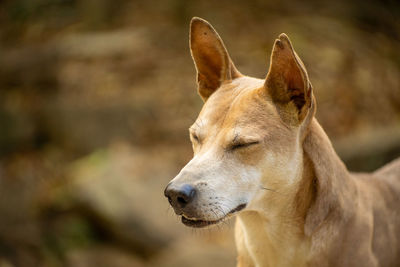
(259, 153)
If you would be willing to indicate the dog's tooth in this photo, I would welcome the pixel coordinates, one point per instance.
(190, 218)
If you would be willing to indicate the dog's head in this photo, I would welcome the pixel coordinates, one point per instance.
(247, 137)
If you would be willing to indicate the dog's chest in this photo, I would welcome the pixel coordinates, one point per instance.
(269, 245)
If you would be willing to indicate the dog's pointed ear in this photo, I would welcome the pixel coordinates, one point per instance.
(287, 82)
(210, 57)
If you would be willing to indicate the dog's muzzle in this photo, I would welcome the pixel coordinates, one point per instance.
(183, 200)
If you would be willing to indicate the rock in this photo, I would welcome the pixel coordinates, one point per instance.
(120, 190)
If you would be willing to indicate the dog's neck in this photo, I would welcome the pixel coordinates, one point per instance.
(322, 193)
(334, 189)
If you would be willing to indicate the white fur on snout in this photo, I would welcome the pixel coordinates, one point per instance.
(222, 184)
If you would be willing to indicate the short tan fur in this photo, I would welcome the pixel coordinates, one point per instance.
(260, 154)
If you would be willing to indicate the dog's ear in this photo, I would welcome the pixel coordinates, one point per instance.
(211, 58)
(287, 82)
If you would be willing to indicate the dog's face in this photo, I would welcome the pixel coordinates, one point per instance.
(246, 139)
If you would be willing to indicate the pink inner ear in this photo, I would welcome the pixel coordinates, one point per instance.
(294, 77)
(295, 85)
(209, 63)
(287, 78)
(209, 67)
(210, 57)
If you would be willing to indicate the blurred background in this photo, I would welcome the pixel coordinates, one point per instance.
(96, 97)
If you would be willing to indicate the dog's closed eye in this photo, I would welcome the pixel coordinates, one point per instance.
(240, 145)
(195, 138)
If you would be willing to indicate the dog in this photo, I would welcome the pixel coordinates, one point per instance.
(261, 155)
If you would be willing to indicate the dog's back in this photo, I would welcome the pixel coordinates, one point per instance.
(381, 192)
(391, 174)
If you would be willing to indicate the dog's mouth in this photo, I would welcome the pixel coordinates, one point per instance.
(196, 223)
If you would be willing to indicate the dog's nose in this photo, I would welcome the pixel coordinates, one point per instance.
(180, 197)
